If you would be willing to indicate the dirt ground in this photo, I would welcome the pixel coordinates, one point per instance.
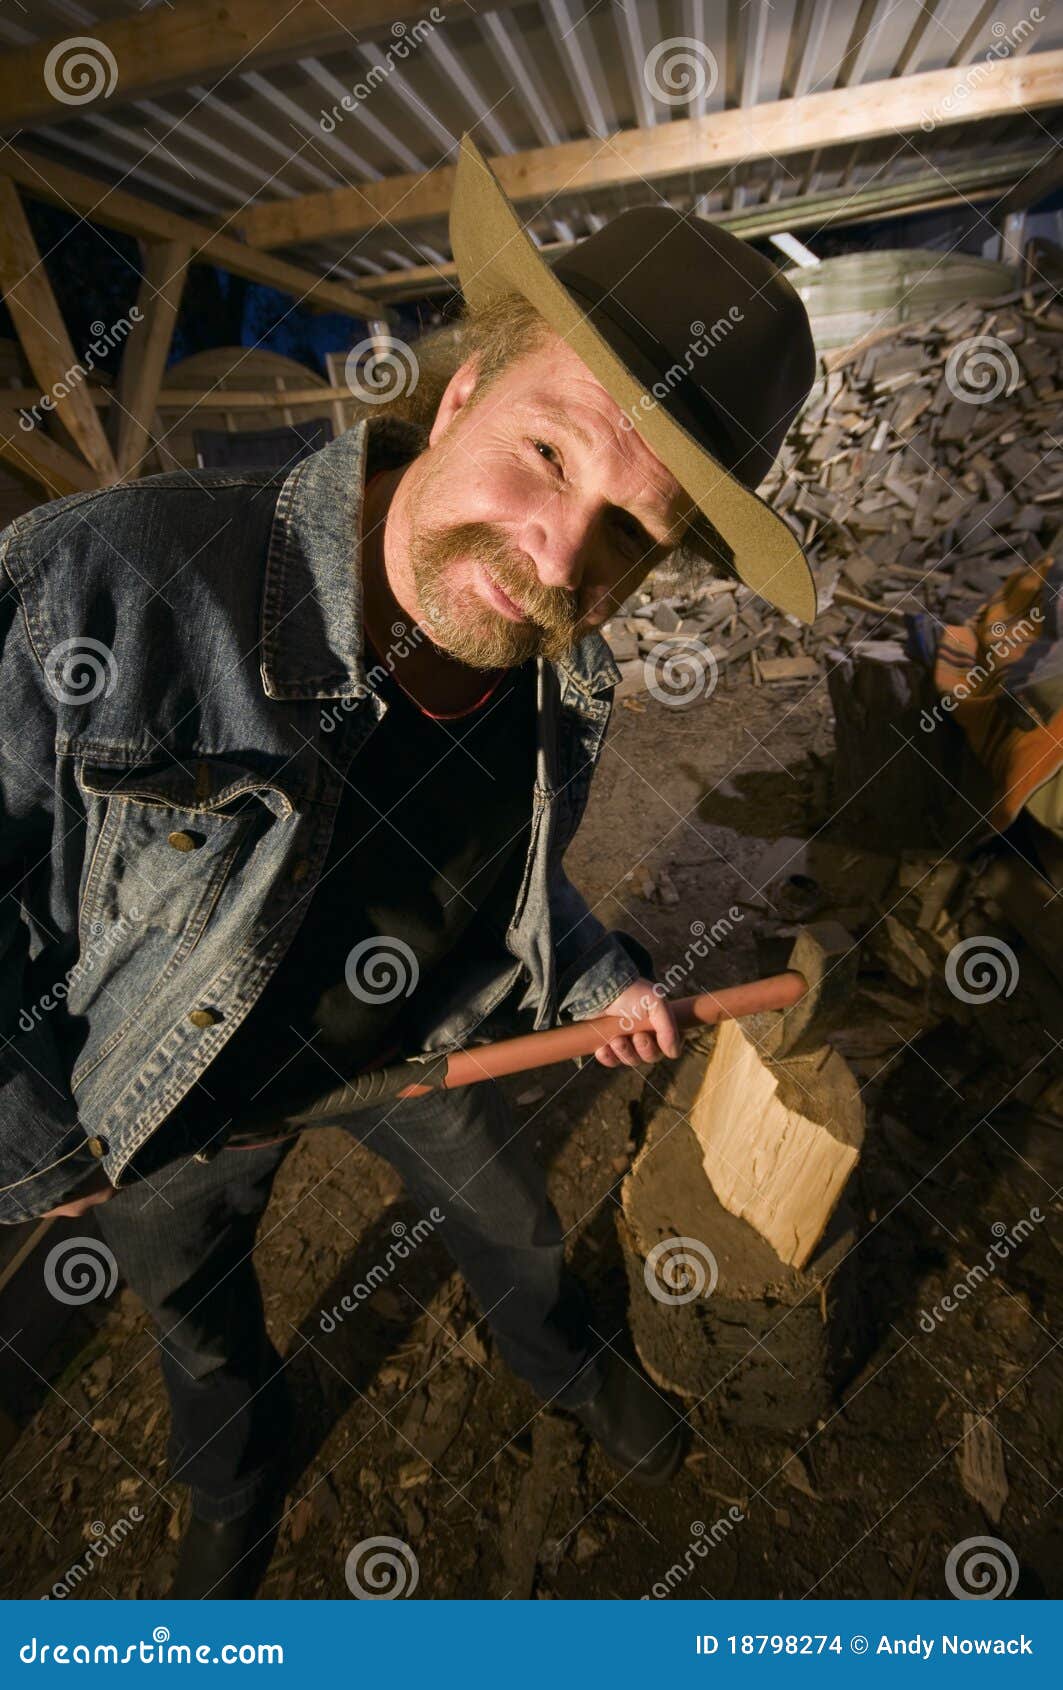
(410, 1427)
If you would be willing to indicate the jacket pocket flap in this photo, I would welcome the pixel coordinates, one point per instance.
(202, 784)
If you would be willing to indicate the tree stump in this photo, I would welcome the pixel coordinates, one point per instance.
(713, 1311)
(901, 762)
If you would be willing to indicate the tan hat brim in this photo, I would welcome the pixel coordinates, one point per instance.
(494, 254)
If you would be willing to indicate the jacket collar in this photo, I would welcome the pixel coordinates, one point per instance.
(311, 616)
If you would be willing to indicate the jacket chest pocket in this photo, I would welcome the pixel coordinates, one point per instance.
(161, 841)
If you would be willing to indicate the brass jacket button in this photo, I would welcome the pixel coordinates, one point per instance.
(204, 1017)
(301, 869)
(182, 841)
(97, 1147)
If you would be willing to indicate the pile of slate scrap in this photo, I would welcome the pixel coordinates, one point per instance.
(924, 469)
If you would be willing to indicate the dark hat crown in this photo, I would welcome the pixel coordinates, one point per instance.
(712, 330)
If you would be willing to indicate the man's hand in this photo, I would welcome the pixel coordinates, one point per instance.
(640, 1002)
(99, 1191)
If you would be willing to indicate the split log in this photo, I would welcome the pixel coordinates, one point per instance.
(981, 1462)
(545, 1510)
(779, 1140)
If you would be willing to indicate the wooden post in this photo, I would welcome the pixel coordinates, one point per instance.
(147, 348)
(42, 333)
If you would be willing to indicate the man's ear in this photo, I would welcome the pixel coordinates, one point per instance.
(456, 395)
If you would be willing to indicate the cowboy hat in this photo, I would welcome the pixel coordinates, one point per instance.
(700, 340)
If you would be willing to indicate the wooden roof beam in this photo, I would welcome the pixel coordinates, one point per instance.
(715, 141)
(115, 208)
(929, 191)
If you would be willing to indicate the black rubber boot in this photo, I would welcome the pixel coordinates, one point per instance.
(225, 1559)
(635, 1425)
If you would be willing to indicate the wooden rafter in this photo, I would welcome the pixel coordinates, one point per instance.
(716, 141)
(115, 208)
(43, 335)
(29, 450)
(200, 41)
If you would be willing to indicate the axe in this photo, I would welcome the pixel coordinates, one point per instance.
(823, 951)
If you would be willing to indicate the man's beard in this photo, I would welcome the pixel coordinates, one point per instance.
(462, 622)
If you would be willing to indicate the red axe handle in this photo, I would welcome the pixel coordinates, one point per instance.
(582, 1038)
(530, 1050)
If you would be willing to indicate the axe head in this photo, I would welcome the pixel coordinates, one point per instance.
(829, 959)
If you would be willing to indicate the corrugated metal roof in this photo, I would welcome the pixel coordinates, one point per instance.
(526, 76)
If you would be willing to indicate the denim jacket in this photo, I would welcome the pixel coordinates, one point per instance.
(182, 691)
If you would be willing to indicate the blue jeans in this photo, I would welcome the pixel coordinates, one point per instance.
(188, 1256)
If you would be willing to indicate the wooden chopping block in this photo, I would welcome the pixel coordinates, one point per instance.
(713, 1310)
(736, 1228)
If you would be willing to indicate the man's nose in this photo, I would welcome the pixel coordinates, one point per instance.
(558, 541)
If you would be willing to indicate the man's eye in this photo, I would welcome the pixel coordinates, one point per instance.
(634, 532)
(543, 447)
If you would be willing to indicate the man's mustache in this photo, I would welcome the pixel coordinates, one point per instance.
(554, 609)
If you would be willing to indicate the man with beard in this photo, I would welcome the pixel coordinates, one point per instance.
(440, 582)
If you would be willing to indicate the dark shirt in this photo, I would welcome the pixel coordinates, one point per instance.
(433, 813)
